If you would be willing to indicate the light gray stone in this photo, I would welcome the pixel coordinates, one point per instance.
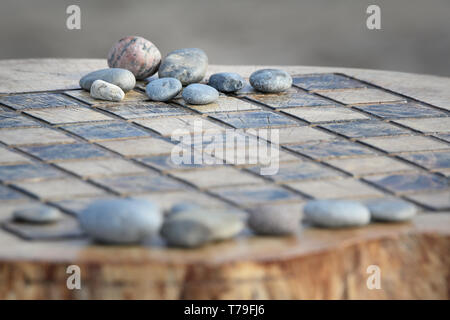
(163, 89)
(106, 91)
(336, 213)
(196, 227)
(187, 65)
(226, 81)
(121, 221)
(37, 214)
(117, 76)
(199, 94)
(269, 220)
(271, 80)
(391, 210)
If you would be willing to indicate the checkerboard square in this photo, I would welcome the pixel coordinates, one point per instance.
(193, 160)
(330, 149)
(336, 189)
(28, 171)
(106, 131)
(8, 194)
(405, 143)
(298, 99)
(255, 119)
(102, 167)
(360, 96)
(66, 188)
(409, 182)
(301, 170)
(367, 128)
(129, 185)
(256, 195)
(223, 176)
(33, 136)
(325, 114)
(139, 147)
(180, 125)
(82, 95)
(430, 160)
(370, 165)
(144, 110)
(444, 136)
(293, 135)
(66, 152)
(14, 120)
(10, 157)
(223, 104)
(326, 81)
(436, 200)
(68, 115)
(427, 125)
(37, 100)
(401, 110)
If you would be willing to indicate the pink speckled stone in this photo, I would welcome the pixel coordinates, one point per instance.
(136, 54)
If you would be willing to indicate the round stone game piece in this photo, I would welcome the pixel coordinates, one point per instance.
(199, 94)
(271, 80)
(121, 221)
(269, 220)
(226, 81)
(196, 227)
(187, 65)
(163, 89)
(38, 214)
(136, 54)
(119, 77)
(336, 213)
(106, 91)
(391, 210)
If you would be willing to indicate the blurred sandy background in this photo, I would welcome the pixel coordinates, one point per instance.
(415, 35)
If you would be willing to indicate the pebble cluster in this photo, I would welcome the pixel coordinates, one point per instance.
(186, 225)
(134, 58)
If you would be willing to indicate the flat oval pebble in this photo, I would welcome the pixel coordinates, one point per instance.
(391, 210)
(194, 228)
(106, 91)
(336, 213)
(270, 220)
(121, 221)
(226, 81)
(120, 77)
(136, 54)
(184, 206)
(37, 214)
(187, 65)
(163, 89)
(271, 80)
(199, 94)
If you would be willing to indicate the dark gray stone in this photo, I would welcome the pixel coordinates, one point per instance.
(226, 81)
(199, 94)
(391, 210)
(336, 213)
(270, 220)
(119, 77)
(187, 65)
(121, 221)
(163, 89)
(37, 214)
(271, 80)
(196, 227)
